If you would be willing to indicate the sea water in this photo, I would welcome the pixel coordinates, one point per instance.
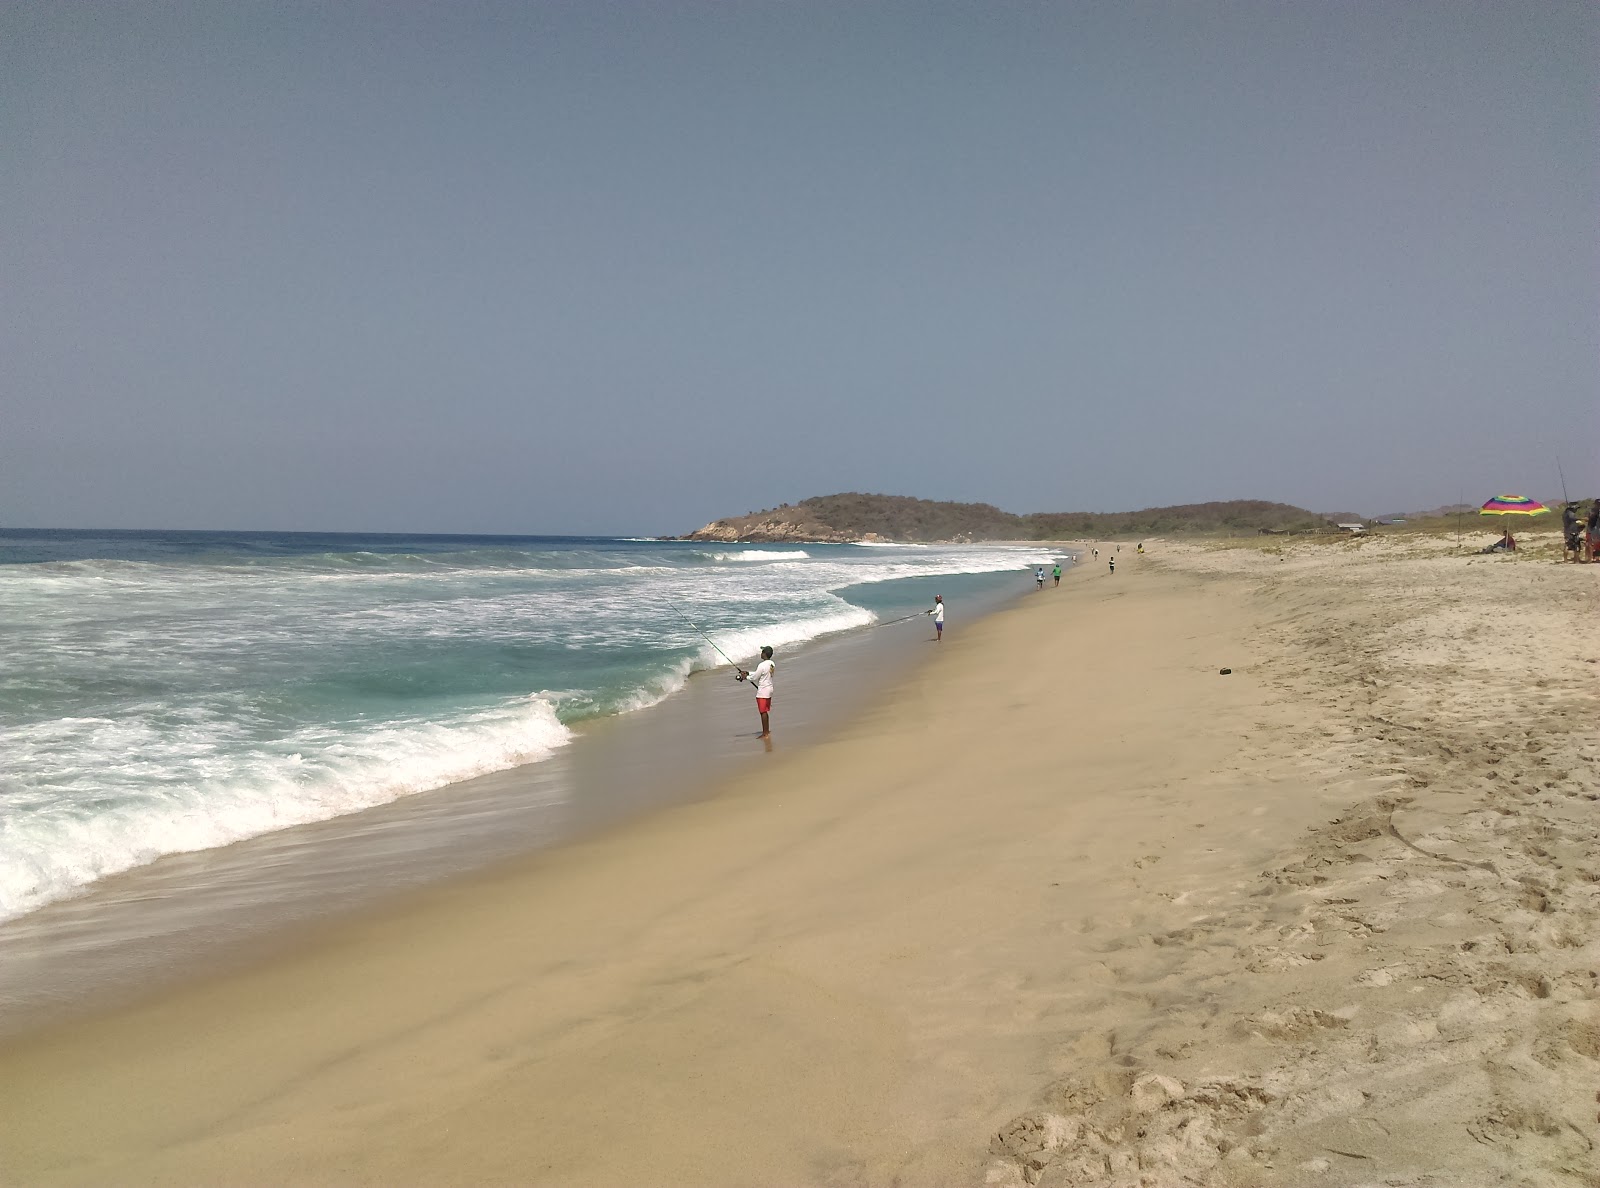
(164, 693)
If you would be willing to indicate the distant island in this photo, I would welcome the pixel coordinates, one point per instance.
(850, 517)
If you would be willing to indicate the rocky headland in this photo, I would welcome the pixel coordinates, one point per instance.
(779, 526)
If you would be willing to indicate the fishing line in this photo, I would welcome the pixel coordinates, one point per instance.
(704, 636)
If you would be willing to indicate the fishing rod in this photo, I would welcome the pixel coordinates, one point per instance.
(704, 636)
(903, 619)
(1565, 498)
(735, 663)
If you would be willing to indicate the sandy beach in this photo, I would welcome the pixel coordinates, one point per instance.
(1067, 906)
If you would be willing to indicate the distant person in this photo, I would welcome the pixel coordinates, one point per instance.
(1113, 562)
(938, 619)
(1593, 533)
(1056, 573)
(1097, 554)
(1038, 576)
(1571, 534)
(1141, 548)
(762, 679)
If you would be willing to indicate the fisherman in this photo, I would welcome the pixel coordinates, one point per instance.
(1571, 534)
(762, 679)
(1056, 573)
(938, 618)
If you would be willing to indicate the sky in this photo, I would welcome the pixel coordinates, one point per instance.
(623, 268)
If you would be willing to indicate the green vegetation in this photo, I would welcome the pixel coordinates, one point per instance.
(899, 517)
(1231, 517)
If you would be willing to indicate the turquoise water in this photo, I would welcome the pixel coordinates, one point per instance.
(173, 692)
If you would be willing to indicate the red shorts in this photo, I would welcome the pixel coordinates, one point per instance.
(763, 705)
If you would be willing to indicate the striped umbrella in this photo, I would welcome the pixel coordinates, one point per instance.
(1512, 505)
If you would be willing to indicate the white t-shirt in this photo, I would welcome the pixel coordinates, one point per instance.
(938, 612)
(762, 677)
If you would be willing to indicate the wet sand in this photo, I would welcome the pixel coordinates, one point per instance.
(1067, 907)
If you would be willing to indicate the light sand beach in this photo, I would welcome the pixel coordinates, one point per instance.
(1066, 907)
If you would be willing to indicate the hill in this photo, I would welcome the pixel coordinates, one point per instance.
(853, 516)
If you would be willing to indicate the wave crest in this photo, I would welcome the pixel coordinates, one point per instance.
(746, 642)
(310, 776)
(761, 555)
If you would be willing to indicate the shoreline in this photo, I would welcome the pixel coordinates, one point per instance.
(1065, 907)
(614, 915)
(196, 914)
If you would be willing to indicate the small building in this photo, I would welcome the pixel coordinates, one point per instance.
(1351, 526)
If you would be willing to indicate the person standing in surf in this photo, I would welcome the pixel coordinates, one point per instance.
(762, 679)
(938, 618)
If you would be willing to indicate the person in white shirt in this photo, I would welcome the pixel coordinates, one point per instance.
(762, 679)
(938, 619)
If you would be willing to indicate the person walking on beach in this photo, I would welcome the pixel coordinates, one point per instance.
(1056, 573)
(1113, 561)
(762, 679)
(1038, 576)
(938, 618)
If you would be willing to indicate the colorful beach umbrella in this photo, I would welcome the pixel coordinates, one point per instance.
(1512, 505)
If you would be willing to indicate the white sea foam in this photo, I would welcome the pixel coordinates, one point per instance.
(761, 555)
(747, 642)
(657, 690)
(314, 775)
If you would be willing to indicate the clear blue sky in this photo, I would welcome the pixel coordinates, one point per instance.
(591, 267)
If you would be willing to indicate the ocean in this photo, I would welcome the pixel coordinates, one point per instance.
(170, 693)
